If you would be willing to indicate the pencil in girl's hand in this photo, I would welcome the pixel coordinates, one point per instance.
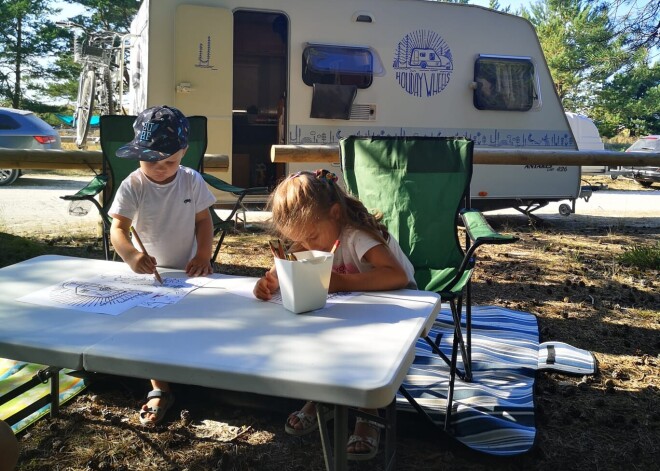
(144, 251)
(277, 248)
(273, 249)
(334, 247)
(280, 249)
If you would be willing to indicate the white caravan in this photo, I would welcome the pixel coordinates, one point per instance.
(308, 72)
(586, 137)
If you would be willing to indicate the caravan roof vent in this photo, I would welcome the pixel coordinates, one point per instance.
(363, 17)
(363, 112)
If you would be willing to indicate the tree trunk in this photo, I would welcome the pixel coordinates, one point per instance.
(16, 99)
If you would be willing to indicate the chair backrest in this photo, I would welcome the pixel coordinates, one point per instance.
(419, 184)
(117, 130)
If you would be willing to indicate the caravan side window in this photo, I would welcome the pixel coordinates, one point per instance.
(337, 65)
(505, 83)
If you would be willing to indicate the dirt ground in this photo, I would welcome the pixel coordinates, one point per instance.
(566, 273)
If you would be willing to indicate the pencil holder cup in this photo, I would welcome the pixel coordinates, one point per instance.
(304, 282)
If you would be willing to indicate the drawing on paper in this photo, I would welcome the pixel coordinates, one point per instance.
(115, 293)
(85, 294)
(144, 280)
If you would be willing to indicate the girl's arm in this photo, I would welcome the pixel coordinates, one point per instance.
(121, 241)
(387, 274)
(200, 264)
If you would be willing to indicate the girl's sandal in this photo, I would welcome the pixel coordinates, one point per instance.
(371, 443)
(309, 423)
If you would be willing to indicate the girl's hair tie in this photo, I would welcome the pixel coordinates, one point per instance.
(326, 175)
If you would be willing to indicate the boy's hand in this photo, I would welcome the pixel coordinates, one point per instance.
(141, 263)
(199, 266)
(266, 286)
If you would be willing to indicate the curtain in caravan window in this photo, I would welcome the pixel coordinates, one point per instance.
(505, 84)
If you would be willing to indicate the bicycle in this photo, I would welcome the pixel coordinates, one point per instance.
(103, 76)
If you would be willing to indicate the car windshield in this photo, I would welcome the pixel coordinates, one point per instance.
(648, 144)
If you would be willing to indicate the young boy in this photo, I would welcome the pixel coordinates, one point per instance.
(168, 205)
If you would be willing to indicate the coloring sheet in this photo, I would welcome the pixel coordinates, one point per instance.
(115, 293)
(243, 286)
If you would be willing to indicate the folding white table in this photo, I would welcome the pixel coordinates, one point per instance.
(353, 354)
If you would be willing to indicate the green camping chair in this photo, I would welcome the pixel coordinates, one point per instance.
(117, 130)
(421, 185)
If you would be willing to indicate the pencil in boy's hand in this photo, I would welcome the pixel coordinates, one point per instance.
(334, 247)
(144, 251)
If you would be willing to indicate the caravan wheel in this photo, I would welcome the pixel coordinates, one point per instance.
(565, 210)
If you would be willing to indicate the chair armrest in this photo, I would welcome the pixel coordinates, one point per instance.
(93, 188)
(480, 231)
(222, 185)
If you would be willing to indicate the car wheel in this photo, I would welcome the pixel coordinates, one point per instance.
(8, 176)
(645, 184)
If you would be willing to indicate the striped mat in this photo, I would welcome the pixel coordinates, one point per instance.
(16, 373)
(493, 414)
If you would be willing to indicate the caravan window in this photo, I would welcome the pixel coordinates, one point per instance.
(337, 65)
(505, 83)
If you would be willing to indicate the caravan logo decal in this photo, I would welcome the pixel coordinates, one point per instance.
(204, 59)
(423, 63)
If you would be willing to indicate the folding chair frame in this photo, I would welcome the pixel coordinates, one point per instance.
(478, 232)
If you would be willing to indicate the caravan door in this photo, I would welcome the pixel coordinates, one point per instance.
(203, 70)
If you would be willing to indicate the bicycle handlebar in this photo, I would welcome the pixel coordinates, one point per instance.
(103, 34)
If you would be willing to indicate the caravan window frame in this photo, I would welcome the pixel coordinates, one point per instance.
(506, 83)
(348, 73)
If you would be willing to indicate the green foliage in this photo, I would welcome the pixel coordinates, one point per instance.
(642, 256)
(630, 100)
(580, 45)
(25, 39)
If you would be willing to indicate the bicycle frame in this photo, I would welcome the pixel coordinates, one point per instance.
(101, 85)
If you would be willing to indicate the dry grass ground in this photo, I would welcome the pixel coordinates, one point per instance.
(566, 273)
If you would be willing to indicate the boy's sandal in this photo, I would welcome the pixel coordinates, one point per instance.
(166, 401)
(370, 443)
(309, 423)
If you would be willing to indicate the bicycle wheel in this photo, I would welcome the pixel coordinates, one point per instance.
(85, 105)
(105, 101)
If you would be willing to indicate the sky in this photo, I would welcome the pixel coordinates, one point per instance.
(68, 10)
(514, 4)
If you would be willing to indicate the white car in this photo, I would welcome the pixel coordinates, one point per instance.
(20, 129)
(645, 176)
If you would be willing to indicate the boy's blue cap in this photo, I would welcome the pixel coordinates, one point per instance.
(160, 131)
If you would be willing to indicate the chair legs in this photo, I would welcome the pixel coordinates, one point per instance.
(217, 247)
(106, 244)
(458, 345)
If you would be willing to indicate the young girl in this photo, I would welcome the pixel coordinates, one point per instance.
(312, 211)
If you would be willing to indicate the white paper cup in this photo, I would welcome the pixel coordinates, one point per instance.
(304, 283)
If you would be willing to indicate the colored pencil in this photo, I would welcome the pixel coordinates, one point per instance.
(144, 251)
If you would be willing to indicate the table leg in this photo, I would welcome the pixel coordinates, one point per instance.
(334, 453)
(341, 437)
(325, 438)
(390, 435)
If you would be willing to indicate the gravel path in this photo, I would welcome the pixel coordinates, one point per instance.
(33, 205)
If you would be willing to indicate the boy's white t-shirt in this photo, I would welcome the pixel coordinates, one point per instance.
(164, 215)
(354, 243)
